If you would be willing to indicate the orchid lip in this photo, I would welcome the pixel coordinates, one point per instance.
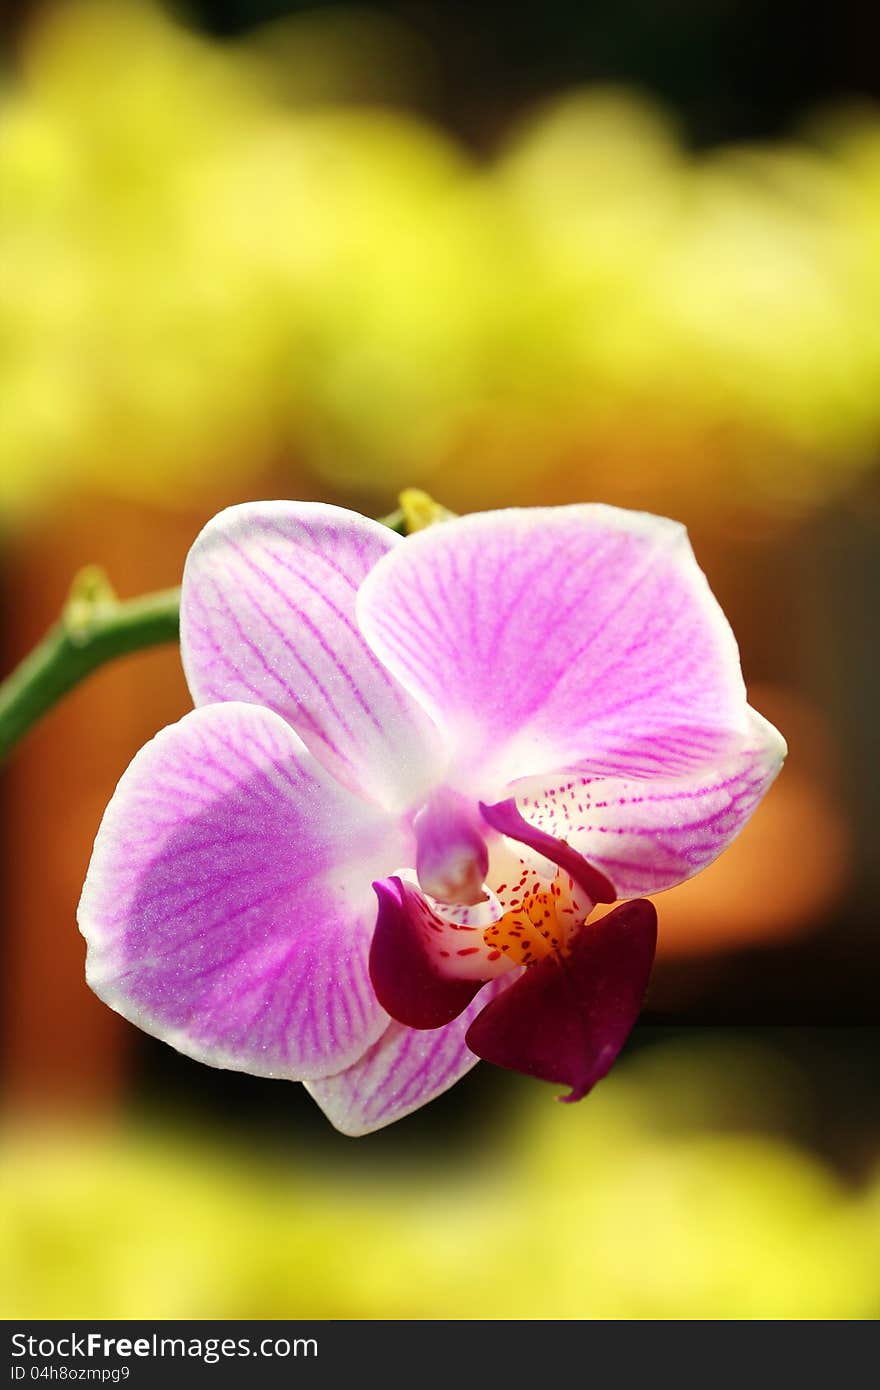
(406, 980)
(566, 1019)
(505, 817)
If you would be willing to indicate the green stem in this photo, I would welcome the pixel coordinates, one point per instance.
(93, 629)
(95, 626)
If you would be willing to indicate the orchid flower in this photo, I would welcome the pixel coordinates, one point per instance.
(415, 766)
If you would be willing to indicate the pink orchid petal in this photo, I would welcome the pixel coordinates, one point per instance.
(404, 1070)
(228, 907)
(580, 636)
(417, 959)
(566, 1019)
(268, 617)
(648, 836)
(507, 820)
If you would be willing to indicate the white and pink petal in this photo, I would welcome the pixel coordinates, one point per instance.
(228, 908)
(648, 836)
(403, 1071)
(582, 636)
(268, 617)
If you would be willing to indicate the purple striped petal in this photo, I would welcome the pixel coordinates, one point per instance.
(267, 616)
(404, 1070)
(647, 836)
(581, 636)
(228, 907)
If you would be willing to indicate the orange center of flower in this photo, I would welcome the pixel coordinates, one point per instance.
(539, 922)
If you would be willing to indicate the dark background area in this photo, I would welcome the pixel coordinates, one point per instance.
(731, 69)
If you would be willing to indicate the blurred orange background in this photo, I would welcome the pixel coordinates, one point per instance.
(267, 264)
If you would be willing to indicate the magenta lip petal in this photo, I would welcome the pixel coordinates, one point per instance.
(505, 818)
(566, 1019)
(405, 980)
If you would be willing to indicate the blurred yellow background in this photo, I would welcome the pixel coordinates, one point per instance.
(270, 263)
